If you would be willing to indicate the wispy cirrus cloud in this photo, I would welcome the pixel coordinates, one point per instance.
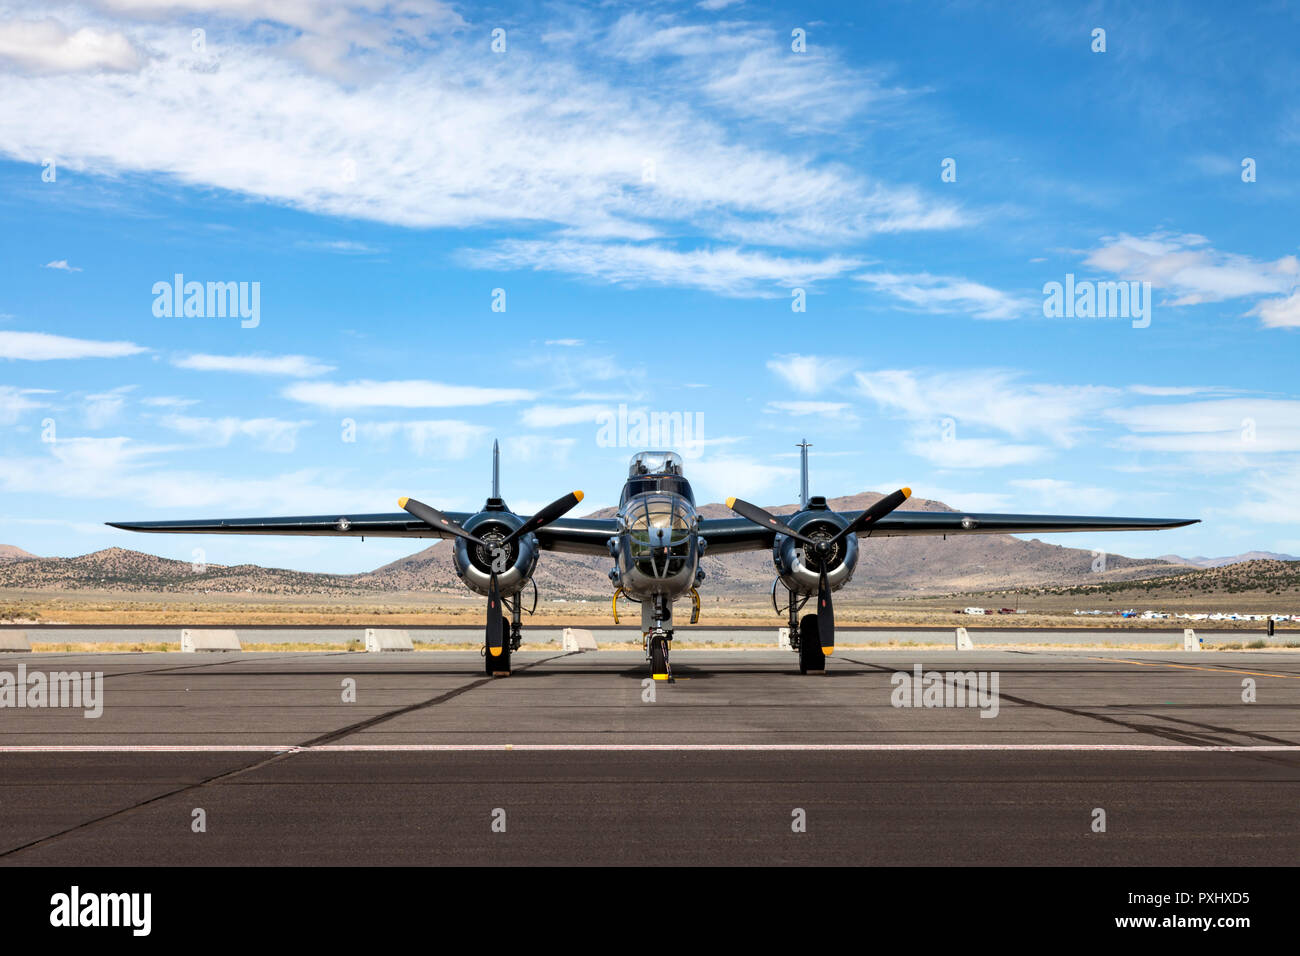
(951, 295)
(809, 374)
(14, 402)
(441, 438)
(270, 434)
(458, 137)
(296, 366)
(552, 416)
(726, 271)
(43, 347)
(416, 393)
(994, 399)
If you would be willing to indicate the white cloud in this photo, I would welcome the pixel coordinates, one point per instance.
(416, 393)
(428, 439)
(297, 366)
(119, 469)
(565, 343)
(821, 409)
(41, 347)
(1279, 313)
(62, 266)
(949, 294)
(716, 479)
(47, 46)
(551, 416)
(1272, 497)
(103, 409)
(974, 452)
(270, 434)
(544, 449)
(1239, 426)
(168, 401)
(457, 137)
(1189, 268)
(728, 271)
(15, 401)
(988, 398)
(967, 500)
(809, 374)
(1065, 497)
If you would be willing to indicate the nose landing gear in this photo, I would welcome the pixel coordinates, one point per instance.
(657, 643)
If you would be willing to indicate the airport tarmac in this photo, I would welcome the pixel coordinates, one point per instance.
(568, 754)
(697, 635)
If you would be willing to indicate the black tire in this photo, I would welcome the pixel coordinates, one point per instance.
(658, 658)
(499, 666)
(811, 658)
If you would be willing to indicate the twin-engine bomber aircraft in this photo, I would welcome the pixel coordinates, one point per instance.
(656, 541)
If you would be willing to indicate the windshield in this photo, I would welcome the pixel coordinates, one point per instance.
(659, 532)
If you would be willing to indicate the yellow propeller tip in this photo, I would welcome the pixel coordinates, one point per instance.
(494, 651)
(578, 495)
(907, 492)
(828, 651)
(731, 502)
(401, 502)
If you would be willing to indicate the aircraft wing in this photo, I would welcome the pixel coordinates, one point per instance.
(573, 535)
(729, 535)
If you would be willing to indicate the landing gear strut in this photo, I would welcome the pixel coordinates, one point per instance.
(657, 626)
(803, 634)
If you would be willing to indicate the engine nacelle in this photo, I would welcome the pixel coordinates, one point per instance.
(514, 563)
(798, 568)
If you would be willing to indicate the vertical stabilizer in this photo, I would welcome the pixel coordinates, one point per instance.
(803, 472)
(496, 469)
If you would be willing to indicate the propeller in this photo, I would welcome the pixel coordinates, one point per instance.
(822, 549)
(495, 632)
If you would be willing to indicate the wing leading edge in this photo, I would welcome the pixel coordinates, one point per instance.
(729, 535)
(574, 535)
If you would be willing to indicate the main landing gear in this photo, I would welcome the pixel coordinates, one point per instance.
(805, 635)
(498, 665)
(811, 658)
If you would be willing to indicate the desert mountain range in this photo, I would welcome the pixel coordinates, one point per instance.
(887, 566)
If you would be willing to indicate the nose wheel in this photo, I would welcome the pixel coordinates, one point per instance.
(657, 650)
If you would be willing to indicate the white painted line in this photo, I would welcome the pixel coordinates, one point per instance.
(147, 748)
(683, 747)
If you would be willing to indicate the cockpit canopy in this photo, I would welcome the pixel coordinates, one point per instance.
(655, 463)
(656, 471)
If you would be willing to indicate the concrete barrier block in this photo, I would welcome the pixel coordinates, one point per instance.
(14, 642)
(193, 641)
(783, 638)
(964, 642)
(579, 639)
(1190, 641)
(383, 639)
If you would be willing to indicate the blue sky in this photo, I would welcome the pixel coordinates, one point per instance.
(647, 187)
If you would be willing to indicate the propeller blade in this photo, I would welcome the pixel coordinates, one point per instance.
(877, 511)
(556, 509)
(437, 520)
(825, 616)
(495, 638)
(760, 517)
